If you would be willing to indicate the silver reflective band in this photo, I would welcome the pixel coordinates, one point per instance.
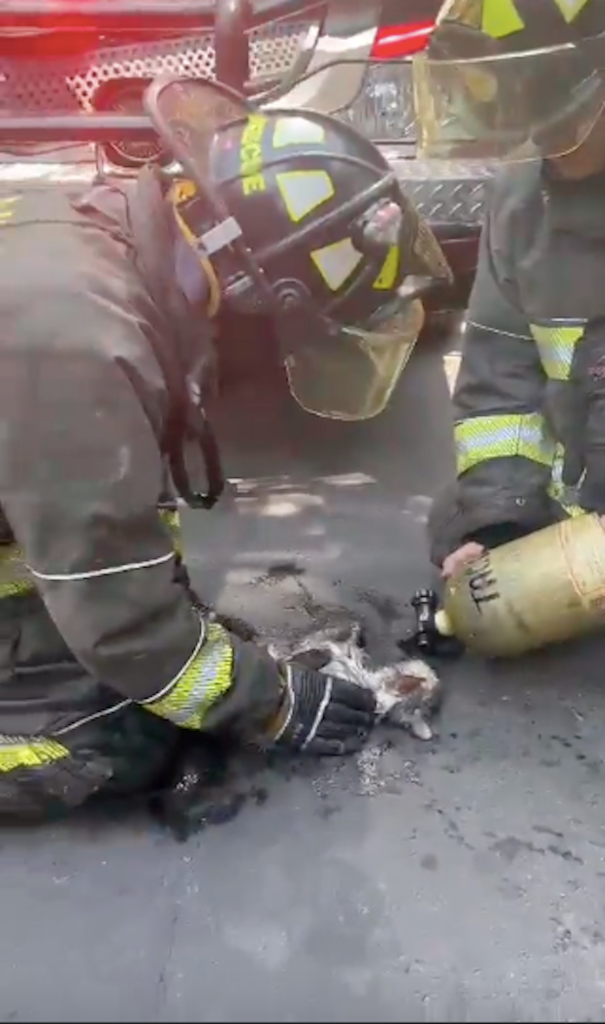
(221, 235)
(111, 570)
(92, 718)
(497, 330)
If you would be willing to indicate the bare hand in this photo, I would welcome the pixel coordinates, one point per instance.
(458, 559)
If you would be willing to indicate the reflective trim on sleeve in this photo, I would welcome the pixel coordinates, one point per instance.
(110, 570)
(505, 436)
(497, 330)
(557, 345)
(20, 752)
(206, 677)
(171, 519)
(16, 577)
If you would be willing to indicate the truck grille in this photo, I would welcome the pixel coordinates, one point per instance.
(62, 85)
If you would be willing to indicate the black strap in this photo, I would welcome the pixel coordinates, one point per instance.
(186, 421)
(201, 432)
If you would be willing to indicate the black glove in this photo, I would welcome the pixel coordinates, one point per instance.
(323, 715)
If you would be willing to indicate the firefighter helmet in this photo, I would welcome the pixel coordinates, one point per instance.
(302, 218)
(511, 79)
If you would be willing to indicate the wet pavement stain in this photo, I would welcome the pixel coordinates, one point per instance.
(388, 609)
(510, 847)
(564, 854)
(450, 827)
(545, 830)
(321, 614)
(327, 810)
(568, 936)
(279, 571)
(511, 890)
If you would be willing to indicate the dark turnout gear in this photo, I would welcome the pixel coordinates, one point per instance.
(323, 715)
(302, 219)
(511, 78)
(530, 398)
(92, 620)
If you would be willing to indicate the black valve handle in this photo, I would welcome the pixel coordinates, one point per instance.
(426, 640)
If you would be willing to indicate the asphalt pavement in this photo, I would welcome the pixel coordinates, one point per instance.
(458, 880)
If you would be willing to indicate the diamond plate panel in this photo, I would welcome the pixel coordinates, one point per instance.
(458, 202)
(68, 84)
(445, 190)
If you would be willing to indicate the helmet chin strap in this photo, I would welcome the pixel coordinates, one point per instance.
(215, 296)
(204, 264)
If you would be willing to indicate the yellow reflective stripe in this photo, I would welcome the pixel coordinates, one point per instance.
(570, 8)
(172, 521)
(496, 437)
(15, 578)
(206, 680)
(33, 754)
(501, 18)
(387, 277)
(7, 208)
(557, 346)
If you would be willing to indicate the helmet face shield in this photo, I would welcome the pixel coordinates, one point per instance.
(488, 88)
(349, 373)
(513, 107)
(188, 114)
(423, 256)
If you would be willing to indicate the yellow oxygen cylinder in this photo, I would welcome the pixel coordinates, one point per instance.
(542, 589)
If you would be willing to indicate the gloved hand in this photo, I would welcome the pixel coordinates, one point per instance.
(489, 537)
(460, 558)
(322, 715)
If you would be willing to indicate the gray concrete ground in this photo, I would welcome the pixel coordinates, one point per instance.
(463, 880)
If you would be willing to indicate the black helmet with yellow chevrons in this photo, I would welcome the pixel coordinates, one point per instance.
(299, 217)
(511, 79)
